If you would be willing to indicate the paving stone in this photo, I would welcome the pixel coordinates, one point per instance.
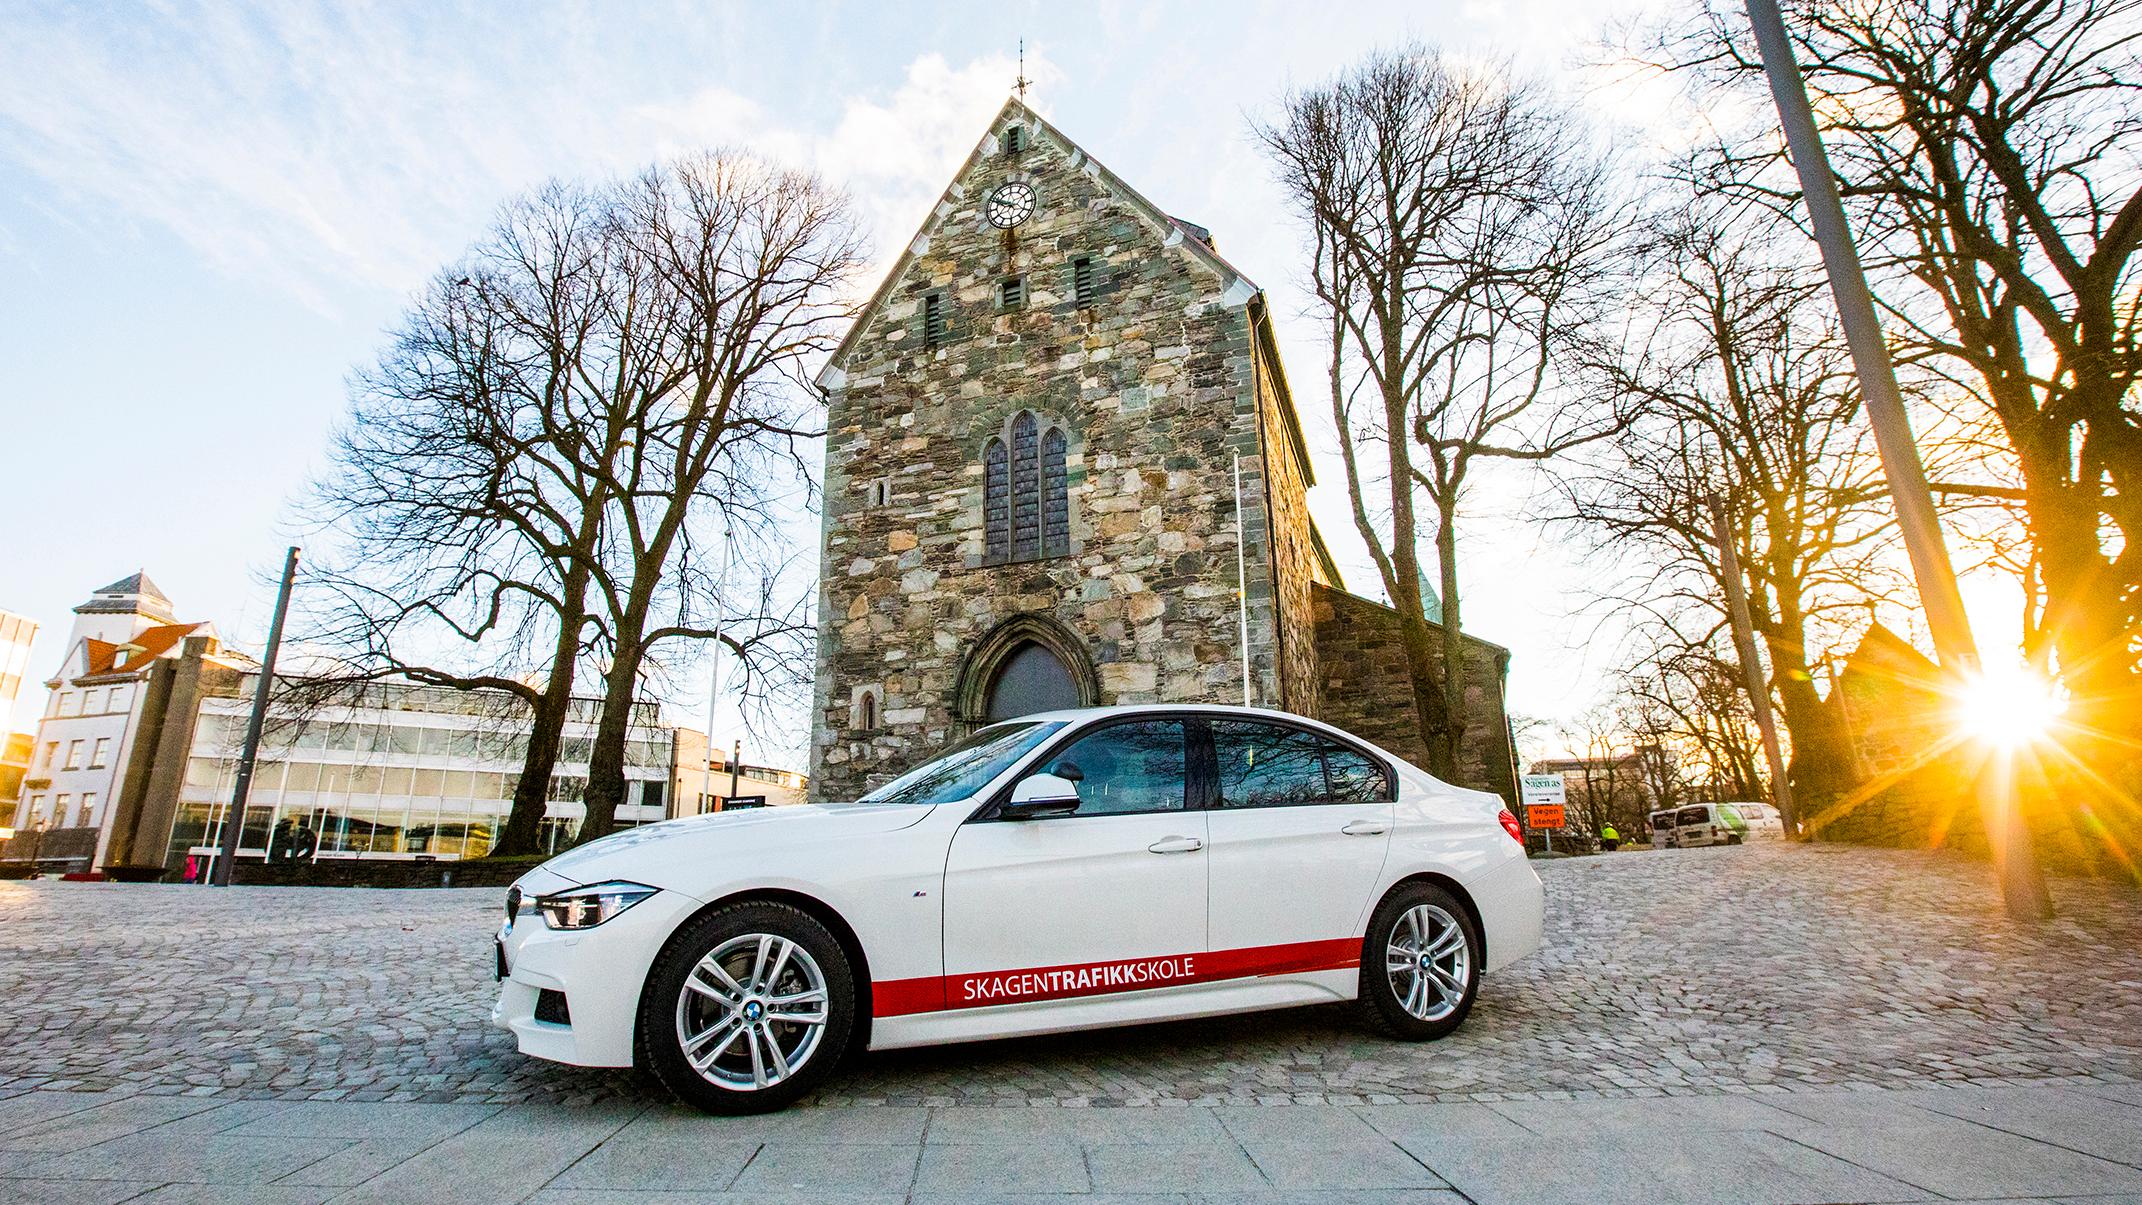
(1159, 1168)
(503, 1158)
(1032, 1168)
(233, 1194)
(2063, 1117)
(1350, 1166)
(377, 1122)
(1655, 1114)
(185, 1158)
(1726, 1167)
(843, 1127)
(1960, 1159)
(70, 1192)
(998, 1126)
(806, 1167)
(652, 1164)
(1296, 1125)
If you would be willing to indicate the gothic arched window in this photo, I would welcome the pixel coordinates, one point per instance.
(1026, 492)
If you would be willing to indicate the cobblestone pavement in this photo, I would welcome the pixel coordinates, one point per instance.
(1759, 969)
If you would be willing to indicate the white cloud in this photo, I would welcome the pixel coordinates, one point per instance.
(309, 150)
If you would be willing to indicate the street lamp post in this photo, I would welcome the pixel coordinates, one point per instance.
(234, 816)
(2022, 881)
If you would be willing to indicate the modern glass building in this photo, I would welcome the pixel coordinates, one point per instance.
(397, 771)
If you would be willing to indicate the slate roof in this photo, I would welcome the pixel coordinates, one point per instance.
(130, 595)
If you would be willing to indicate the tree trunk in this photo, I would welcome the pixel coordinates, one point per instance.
(531, 795)
(606, 764)
(1454, 676)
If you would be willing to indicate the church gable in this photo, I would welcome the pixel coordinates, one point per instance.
(1072, 197)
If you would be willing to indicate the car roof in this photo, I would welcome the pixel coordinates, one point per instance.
(1121, 709)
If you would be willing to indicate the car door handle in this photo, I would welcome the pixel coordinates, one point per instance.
(1367, 828)
(1176, 845)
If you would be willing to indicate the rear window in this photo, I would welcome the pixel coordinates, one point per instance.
(1265, 765)
(1355, 777)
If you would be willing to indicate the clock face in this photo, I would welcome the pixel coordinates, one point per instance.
(1010, 205)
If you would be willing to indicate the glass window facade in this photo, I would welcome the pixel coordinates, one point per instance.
(400, 772)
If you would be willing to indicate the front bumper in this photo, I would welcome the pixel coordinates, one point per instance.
(600, 972)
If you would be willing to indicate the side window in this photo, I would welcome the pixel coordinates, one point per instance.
(1266, 765)
(1355, 777)
(1136, 767)
(1694, 816)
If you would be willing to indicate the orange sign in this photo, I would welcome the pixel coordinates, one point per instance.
(1543, 815)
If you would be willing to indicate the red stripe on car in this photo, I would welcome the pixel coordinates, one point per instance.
(902, 997)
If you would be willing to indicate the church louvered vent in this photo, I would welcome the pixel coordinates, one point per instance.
(933, 320)
(1014, 140)
(1011, 293)
(1082, 280)
(1026, 496)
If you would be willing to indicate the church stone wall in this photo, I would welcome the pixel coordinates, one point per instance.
(1153, 382)
(1295, 684)
(1367, 690)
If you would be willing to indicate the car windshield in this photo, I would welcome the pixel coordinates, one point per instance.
(966, 767)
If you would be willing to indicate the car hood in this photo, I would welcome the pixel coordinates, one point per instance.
(680, 854)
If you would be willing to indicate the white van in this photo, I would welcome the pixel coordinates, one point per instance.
(1762, 820)
(1697, 824)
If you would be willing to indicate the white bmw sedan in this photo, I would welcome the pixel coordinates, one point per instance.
(1062, 871)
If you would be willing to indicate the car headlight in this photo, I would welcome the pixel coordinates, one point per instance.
(589, 906)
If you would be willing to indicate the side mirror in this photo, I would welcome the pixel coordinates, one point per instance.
(1040, 797)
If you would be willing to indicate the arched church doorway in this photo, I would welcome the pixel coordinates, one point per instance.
(1026, 664)
(1030, 680)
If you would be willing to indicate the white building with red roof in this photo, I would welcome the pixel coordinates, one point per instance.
(79, 755)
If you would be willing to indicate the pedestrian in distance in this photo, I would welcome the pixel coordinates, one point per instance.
(1609, 839)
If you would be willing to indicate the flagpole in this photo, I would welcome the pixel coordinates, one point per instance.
(1242, 583)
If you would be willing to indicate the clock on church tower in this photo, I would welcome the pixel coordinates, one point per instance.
(1010, 205)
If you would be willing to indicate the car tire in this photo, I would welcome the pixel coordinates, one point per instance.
(711, 1022)
(1416, 1003)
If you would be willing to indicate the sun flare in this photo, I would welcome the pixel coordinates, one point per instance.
(2009, 706)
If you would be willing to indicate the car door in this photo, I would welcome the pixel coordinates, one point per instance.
(1108, 899)
(1300, 825)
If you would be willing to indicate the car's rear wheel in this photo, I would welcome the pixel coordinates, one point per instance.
(1420, 964)
(749, 1008)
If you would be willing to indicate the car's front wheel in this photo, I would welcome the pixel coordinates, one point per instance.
(748, 1008)
(1420, 965)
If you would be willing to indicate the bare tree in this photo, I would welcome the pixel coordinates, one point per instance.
(736, 273)
(1688, 701)
(462, 544)
(1991, 153)
(520, 468)
(1460, 226)
(1745, 390)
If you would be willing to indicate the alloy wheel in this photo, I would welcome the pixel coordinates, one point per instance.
(752, 1012)
(1429, 962)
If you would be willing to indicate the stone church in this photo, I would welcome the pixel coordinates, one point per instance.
(1063, 468)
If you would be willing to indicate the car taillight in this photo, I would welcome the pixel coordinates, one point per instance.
(1511, 826)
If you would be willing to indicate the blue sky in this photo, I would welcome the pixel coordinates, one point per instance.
(209, 214)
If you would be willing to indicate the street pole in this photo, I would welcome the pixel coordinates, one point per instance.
(2016, 862)
(234, 816)
(1751, 669)
(736, 767)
